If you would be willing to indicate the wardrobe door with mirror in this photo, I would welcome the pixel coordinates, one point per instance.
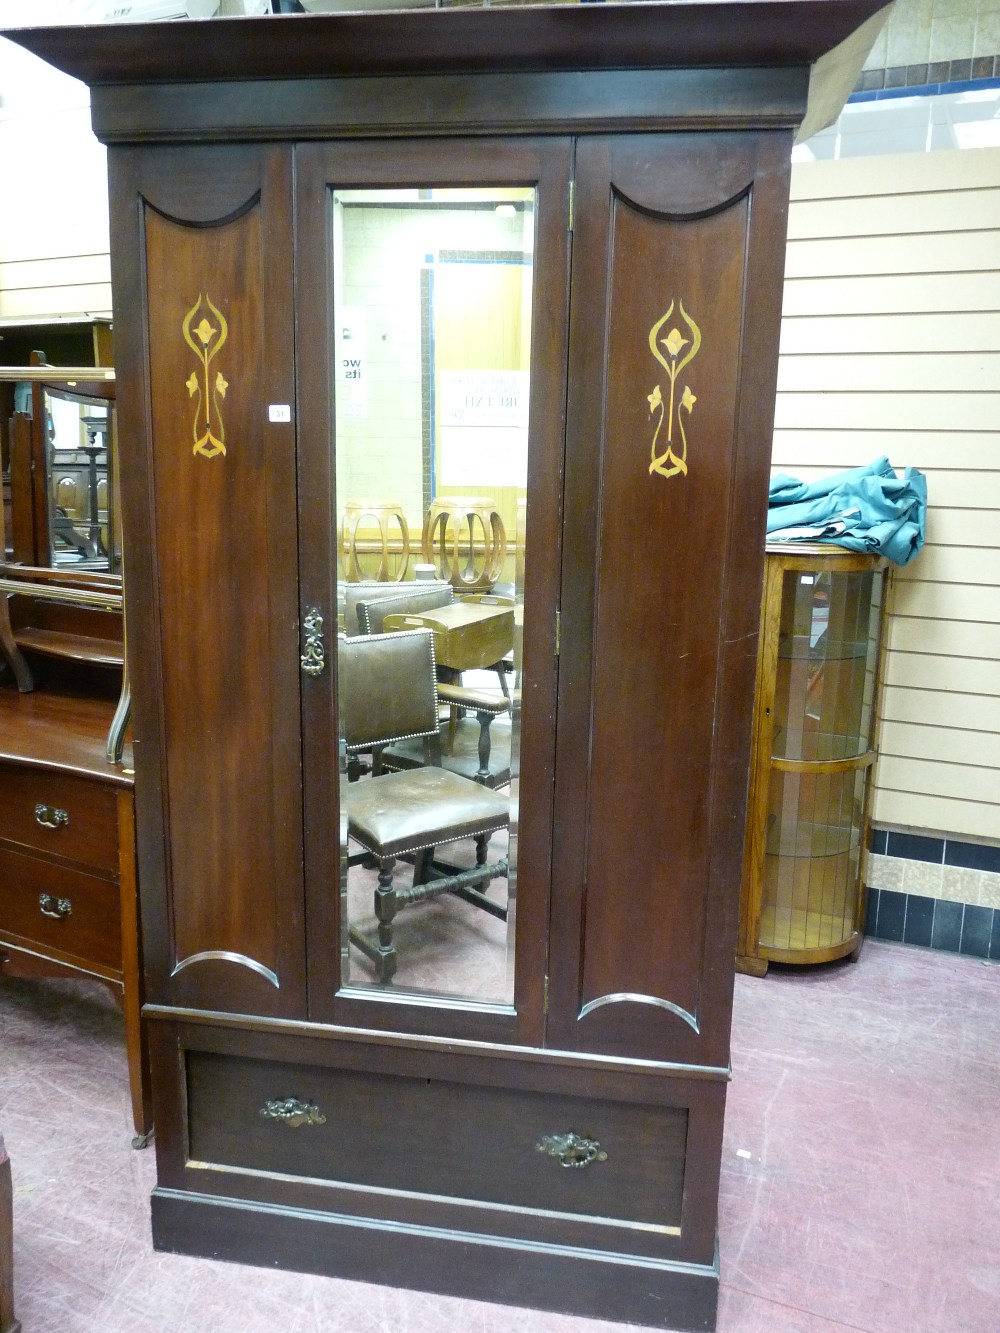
(432, 289)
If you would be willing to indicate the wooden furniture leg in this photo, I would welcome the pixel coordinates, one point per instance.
(8, 1324)
(138, 1058)
(9, 651)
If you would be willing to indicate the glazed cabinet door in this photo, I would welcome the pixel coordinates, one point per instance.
(204, 343)
(673, 348)
(431, 305)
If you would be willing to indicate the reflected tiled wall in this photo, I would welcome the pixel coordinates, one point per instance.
(937, 892)
(928, 32)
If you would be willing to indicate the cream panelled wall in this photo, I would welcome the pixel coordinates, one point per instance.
(891, 345)
(54, 216)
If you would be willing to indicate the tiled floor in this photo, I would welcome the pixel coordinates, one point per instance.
(865, 1095)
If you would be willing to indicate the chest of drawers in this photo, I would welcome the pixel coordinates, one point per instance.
(67, 859)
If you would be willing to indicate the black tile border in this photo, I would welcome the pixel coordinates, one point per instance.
(977, 927)
(935, 851)
(891, 915)
(929, 76)
(972, 856)
(919, 925)
(915, 847)
(946, 932)
(935, 923)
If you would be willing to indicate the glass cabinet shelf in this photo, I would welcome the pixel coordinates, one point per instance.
(814, 751)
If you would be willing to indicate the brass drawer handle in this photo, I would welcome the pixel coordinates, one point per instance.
(49, 817)
(291, 1112)
(56, 908)
(572, 1150)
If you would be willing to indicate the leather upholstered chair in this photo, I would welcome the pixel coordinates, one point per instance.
(355, 593)
(388, 694)
(417, 598)
(477, 747)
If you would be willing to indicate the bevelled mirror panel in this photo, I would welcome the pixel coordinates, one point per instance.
(432, 317)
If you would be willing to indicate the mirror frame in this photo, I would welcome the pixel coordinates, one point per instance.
(91, 587)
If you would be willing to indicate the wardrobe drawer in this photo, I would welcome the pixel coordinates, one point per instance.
(54, 908)
(55, 812)
(489, 1146)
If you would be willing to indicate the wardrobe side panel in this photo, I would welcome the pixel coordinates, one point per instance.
(655, 694)
(212, 280)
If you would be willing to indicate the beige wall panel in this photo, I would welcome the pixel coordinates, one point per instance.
(887, 215)
(68, 215)
(944, 601)
(968, 712)
(931, 671)
(965, 332)
(42, 302)
(962, 527)
(891, 411)
(944, 638)
(941, 744)
(931, 252)
(67, 272)
(902, 293)
(813, 454)
(955, 781)
(958, 372)
(936, 814)
(902, 173)
(959, 564)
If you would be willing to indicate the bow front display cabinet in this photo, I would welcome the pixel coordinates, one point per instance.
(409, 1026)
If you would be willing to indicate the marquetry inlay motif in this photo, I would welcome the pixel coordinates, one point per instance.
(205, 338)
(669, 462)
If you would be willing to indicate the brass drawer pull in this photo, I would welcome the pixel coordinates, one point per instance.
(56, 908)
(572, 1150)
(291, 1112)
(49, 817)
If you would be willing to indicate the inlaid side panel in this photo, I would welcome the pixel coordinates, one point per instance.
(667, 643)
(221, 483)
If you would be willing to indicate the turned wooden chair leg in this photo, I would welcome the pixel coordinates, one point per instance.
(386, 906)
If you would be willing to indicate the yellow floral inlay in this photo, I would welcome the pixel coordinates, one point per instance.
(209, 433)
(670, 463)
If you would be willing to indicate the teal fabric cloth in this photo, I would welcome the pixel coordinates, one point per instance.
(865, 509)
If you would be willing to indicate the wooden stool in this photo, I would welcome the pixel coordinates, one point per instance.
(392, 550)
(464, 539)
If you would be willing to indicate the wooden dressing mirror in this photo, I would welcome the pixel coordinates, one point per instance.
(60, 572)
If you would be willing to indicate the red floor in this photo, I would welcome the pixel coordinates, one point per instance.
(860, 1190)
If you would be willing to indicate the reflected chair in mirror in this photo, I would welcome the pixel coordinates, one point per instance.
(354, 594)
(388, 694)
(470, 746)
(418, 598)
(475, 738)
